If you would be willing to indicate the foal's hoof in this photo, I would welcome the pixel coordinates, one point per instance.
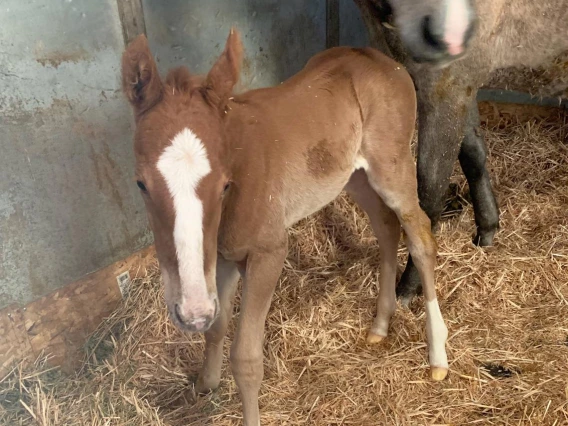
(439, 373)
(373, 339)
(206, 384)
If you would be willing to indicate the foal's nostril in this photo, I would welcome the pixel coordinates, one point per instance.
(432, 37)
(199, 323)
(177, 314)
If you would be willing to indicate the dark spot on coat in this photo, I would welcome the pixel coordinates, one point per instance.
(319, 159)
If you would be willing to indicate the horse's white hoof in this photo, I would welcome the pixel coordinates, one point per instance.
(439, 373)
(373, 339)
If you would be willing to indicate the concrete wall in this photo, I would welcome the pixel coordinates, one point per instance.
(68, 205)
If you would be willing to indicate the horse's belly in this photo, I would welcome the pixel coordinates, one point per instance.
(309, 199)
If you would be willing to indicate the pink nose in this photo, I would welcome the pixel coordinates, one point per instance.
(196, 320)
(457, 23)
(455, 49)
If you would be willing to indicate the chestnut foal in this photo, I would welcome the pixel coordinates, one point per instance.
(224, 177)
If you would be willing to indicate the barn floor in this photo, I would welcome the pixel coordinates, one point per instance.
(506, 309)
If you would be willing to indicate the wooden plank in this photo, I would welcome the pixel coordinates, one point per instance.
(14, 343)
(59, 323)
(331, 23)
(131, 16)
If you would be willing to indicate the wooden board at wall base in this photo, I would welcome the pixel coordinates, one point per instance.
(59, 323)
(14, 342)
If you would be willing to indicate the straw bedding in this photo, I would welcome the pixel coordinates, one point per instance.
(506, 309)
(550, 80)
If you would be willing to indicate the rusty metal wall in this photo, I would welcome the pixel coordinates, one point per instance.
(68, 205)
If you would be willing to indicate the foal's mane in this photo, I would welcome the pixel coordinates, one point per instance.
(180, 80)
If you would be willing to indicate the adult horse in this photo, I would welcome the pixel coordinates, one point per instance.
(427, 36)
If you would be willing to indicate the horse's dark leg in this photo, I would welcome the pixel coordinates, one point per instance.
(472, 158)
(442, 110)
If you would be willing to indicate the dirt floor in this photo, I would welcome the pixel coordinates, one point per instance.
(506, 309)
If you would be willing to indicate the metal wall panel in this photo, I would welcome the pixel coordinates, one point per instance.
(68, 205)
(352, 31)
(279, 36)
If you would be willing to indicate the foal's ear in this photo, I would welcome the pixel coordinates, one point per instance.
(225, 73)
(140, 78)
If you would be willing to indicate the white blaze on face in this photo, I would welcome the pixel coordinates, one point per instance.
(456, 25)
(183, 164)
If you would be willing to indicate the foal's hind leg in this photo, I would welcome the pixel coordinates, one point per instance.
(397, 187)
(387, 230)
(440, 130)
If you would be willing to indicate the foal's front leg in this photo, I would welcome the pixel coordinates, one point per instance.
(227, 279)
(262, 272)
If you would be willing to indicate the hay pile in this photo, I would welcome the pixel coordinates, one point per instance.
(506, 309)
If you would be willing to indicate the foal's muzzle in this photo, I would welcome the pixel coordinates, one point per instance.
(194, 324)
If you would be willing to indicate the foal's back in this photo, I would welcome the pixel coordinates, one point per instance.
(309, 133)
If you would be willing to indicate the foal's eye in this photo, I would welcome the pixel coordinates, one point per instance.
(226, 187)
(141, 186)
